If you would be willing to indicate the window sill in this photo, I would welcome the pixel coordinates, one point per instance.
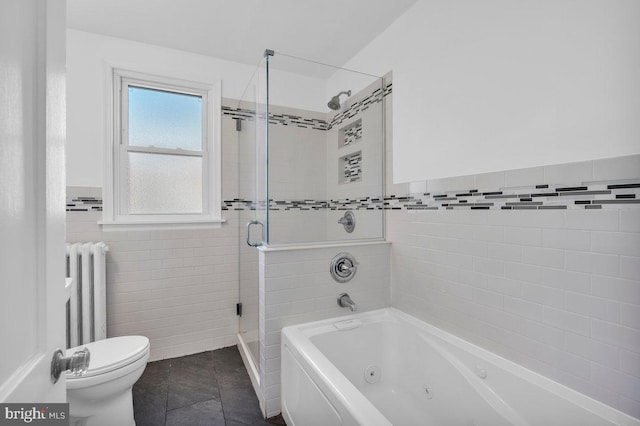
(161, 225)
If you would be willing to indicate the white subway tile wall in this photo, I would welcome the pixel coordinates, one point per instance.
(555, 291)
(178, 288)
(297, 288)
(618, 168)
(561, 174)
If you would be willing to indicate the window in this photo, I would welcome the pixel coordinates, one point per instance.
(164, 166)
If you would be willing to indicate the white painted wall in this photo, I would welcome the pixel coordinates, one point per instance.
(497, 84)
(87, 58)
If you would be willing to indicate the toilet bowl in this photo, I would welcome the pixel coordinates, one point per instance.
(102, 395)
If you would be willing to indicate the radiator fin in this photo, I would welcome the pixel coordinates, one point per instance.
(86, 266)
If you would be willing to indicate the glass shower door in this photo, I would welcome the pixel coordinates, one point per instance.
(252, 136)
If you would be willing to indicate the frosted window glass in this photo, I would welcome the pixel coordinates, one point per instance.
(164, 119)
(164, 184)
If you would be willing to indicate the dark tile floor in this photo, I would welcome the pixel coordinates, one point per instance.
(209, 388)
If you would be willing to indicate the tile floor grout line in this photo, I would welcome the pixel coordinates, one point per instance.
(190, 405)
(215, 371)
(166, 402)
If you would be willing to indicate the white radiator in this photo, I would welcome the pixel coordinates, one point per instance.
(87, 309)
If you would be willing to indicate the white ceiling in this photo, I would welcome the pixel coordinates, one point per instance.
(328, 31)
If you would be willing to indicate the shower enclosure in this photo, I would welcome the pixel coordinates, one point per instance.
(310, 169)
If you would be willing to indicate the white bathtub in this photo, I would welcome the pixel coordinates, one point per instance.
(388, 368)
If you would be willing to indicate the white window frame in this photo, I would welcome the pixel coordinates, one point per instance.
(115, 191)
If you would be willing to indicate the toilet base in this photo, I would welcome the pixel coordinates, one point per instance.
(103, 395)
(106, 404)
(116, 411)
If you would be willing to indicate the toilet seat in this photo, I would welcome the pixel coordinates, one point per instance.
(111, 354)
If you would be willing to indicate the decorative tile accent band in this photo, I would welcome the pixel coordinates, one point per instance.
(84, 204)
(313, 123)
(538, 197)
(364, 104)
(282, 119)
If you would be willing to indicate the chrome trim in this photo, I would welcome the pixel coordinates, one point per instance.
(348, 221)
(345, 301)
(343, 267)
(254, 222)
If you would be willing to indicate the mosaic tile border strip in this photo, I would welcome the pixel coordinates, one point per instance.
(282, 119)
(540, 197)
(362, 105)
(84, 204)
(313, 123)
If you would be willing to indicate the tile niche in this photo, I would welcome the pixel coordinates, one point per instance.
(350, 165)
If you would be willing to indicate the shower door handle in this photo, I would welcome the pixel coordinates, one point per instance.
(254, 222)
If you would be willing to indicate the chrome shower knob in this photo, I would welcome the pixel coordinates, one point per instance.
(343, 267)
(348, 221)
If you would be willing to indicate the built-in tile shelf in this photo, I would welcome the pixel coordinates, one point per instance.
(350, 168)
(351, 134)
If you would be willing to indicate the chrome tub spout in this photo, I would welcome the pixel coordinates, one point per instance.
(345, 301)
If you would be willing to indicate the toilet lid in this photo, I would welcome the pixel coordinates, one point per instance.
(110, 354)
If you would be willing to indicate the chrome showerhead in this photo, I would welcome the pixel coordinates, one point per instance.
(334, 103)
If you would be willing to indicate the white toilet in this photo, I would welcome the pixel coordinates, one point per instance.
(102, 395)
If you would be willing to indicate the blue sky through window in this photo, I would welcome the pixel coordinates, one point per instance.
(164, 119)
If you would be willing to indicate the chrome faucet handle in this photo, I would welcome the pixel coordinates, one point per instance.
(345, 221)
(344, 267)
(78, 363)
(348, 221)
